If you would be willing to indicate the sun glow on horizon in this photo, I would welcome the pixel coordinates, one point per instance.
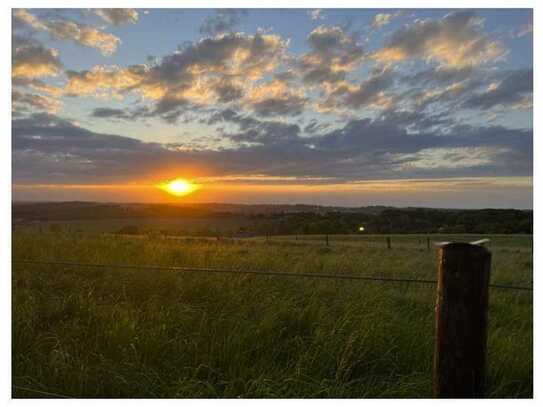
(179, 187)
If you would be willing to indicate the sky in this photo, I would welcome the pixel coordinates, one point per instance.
(349, 107)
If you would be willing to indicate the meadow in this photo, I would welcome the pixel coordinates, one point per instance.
(81, 332)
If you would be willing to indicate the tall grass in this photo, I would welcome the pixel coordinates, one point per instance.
(135, 333)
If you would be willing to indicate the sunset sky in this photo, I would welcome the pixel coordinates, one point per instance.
(335, 107)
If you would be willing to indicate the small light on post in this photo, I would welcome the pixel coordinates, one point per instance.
(361, 229)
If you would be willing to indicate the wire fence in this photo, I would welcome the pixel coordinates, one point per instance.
(335, 276)
(41, 392)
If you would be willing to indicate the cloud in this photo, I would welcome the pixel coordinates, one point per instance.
(290, 105)
(368, 93)
(513, 91)
(105, 80)
(212, 70)
(451, 94)
(223, 21)
(107, 113)
(228, 91)
(50, 149)
(381, 19)
(36, 85)
(117, 16)
(316, 14)
(415, 120)
(526, 29)
(315, 126)
(275, 98)
(24, 101)
(450, 158)
(32, 60)
(267, 133)
(442, 75)
(454, 40)
(254, 99)
(63, 29)
(333, 55)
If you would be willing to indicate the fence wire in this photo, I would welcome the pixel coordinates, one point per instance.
(253, 272)
(43, 393)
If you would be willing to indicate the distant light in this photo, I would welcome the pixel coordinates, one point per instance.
(361, 228)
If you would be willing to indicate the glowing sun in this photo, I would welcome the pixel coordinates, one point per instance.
(179, 187)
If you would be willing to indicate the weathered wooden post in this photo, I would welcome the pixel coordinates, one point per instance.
(389, 244)
(427, 243)
(461, 321)
(326, 239)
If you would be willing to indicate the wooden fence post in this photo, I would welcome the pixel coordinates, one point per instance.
(389, 244)
(427, 243)
(326, 238)
(461, 321)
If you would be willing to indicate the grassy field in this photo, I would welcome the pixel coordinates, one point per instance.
(137, 333)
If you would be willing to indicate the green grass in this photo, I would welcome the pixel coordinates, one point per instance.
(137, 333)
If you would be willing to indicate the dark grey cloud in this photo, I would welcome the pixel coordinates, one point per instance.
(470, 88)
(228, 91)
(314, 126)
(369, 92)
(211, 71)
(292, 105)
(224, 20)
(515, 88)
(50, 133)
(30, 59)
(107, 113)
(49, 149)
(268, 133)
(26, 101)
(334, 53)
(415, 120)
(441, 75)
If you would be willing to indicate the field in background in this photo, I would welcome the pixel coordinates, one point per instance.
(192, 226)
(140, 333)
(406, 241)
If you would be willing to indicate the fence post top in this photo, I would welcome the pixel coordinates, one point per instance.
(478, 245)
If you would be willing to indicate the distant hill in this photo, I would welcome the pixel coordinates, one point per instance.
(289, 219)
(102, 210)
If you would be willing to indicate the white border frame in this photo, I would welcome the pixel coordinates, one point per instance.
(5, 175)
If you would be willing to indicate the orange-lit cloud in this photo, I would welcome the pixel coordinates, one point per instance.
(455, 40)
(70, 30)
(31, 60)
(194, 75)
(39, 102)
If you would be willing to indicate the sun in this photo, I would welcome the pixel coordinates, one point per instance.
(178, 187)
